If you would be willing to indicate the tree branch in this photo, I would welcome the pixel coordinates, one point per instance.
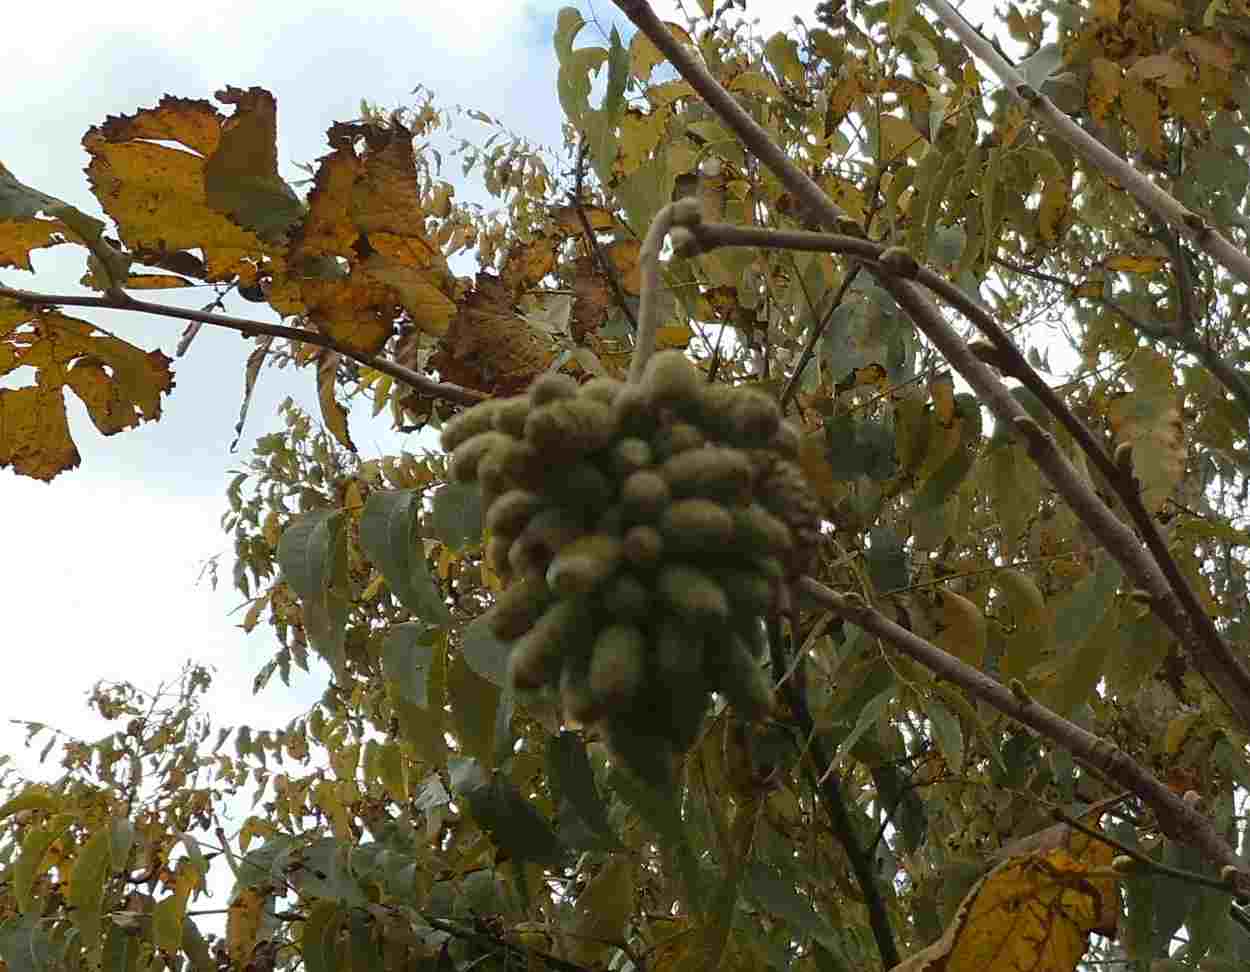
(1155, 200)
(249, 328)
(1176, 818)
(1172, 598)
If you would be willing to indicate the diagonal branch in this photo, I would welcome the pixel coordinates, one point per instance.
(1154, 199)
(1160, 578)
(1176, 818)
(249, 328)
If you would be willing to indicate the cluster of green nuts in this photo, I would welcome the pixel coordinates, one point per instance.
(639, 544)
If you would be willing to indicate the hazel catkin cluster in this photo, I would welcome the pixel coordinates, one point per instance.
(641, 530)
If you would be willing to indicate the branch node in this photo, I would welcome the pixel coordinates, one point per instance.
(685, 243)
(898, 261)
(687, 211)
(1124, 458)
(1029, 94)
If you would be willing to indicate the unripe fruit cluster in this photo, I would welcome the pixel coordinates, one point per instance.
(639, 551)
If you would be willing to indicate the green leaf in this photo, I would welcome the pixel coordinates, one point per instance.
(168, 916)
(313, 556)
(364, 951)
(86, 893)
(778, 897)
(573, 785)
(413, 664)
(321, 927)
(513, 823)
(1033, 637)
(473, 704)
(389, 538)
(602, 911)
(484, 653)
(196, 948)
(943, 482)
(25, 945)
(407, 660)
(121, 950)
(34, 847)
(32, 798)
(121, 839)
(886, 560)
(868, 717)
(947, 733)
(456, 517)
(860, 448)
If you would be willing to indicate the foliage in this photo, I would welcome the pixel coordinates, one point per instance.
(420, 813)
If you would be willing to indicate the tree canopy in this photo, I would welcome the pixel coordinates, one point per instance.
(986, 583)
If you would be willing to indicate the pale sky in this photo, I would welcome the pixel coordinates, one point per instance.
(100, 576)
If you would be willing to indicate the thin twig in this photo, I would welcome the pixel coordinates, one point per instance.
(1144, 859)
(817, 332)
(592, 240)
(418, 382)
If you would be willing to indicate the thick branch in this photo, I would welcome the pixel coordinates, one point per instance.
(1196, 631)
(1173, 599)
(1164, 206)
(415, 380)
(1176, 818)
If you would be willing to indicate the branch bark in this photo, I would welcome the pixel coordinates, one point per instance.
(1227, 677)
(1155, 571)
(1158, 202)
(249, 328)
(1176, 818)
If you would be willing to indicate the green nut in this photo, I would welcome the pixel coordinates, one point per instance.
(551, 386)
(670, 381)
(542, 537)
(697, 526)
(694, 596)
(750, 592)
(643, 546)
(634, 416)
(581, 566)
(617, 665)
(713, 472)
(518, 606)
(645, 495)
(472, 421)
(758, 532)
(537, 655)
(466, 456)
(509, 514)
(626, 598)
(570, 427)
(511, 415)
(631, 454)
(602, 389)
(735, 673)
(675, 438)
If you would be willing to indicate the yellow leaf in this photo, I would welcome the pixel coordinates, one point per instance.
(1130, 263)
(963, 632)
(644, 56)
(900, 137)
(675, 335)
(243, 923)
(1141, 110)
(1103, 87)
(602, 911)
(332, 412)
(1031, 912)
